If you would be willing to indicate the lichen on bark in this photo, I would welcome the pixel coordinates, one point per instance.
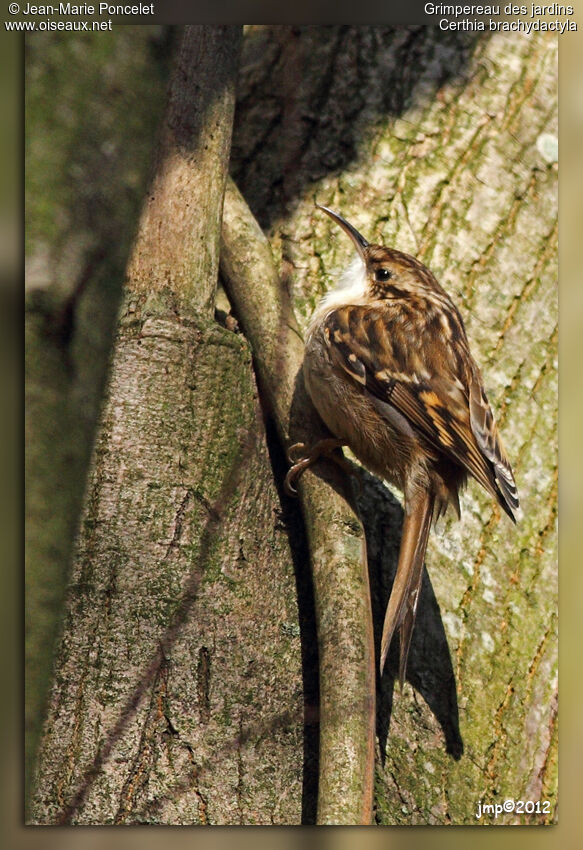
(431, 142)
(186, 627)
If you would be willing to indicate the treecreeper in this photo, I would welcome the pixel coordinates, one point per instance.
(388, 367)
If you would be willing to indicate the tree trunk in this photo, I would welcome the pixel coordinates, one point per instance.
(86, 170)
(185, 689)
(442, 145)
(183, 607)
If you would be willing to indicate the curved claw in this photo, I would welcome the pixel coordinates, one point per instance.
(324, 447)
(287, 485)
(295, 472)
(293, 448)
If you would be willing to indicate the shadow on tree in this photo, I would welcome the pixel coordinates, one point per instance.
(308, 97)
(429, 668)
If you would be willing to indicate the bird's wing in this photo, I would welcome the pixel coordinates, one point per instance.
(438, 392)
(486, 433)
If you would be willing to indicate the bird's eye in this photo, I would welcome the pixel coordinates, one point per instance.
(382, 275)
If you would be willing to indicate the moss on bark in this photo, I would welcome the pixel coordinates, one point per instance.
(174, 700)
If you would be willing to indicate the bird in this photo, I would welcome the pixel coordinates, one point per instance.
(387, 365)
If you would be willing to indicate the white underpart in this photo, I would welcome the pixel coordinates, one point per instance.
(351, 288)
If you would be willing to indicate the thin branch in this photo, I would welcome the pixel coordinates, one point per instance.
(176, 253)
(337, 543)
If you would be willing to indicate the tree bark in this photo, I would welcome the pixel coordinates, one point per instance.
(337, 546)
(182, 608)
(86, 170)
(442, 145)
(189, 644)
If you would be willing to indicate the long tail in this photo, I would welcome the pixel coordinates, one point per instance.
(402, 605)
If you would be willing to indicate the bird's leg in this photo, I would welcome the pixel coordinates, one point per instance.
(326, 447)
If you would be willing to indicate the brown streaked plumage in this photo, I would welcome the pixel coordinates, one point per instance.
(388, 368)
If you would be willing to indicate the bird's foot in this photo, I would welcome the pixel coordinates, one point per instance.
(308, 457)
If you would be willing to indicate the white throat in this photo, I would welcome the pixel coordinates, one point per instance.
(351, 288)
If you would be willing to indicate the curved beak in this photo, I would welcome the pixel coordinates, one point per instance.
(360, 242)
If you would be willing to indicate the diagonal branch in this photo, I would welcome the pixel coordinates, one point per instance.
(337, 544)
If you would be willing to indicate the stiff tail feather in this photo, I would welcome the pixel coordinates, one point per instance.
(402, 605)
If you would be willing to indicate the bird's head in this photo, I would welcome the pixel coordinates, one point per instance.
(382, 272)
